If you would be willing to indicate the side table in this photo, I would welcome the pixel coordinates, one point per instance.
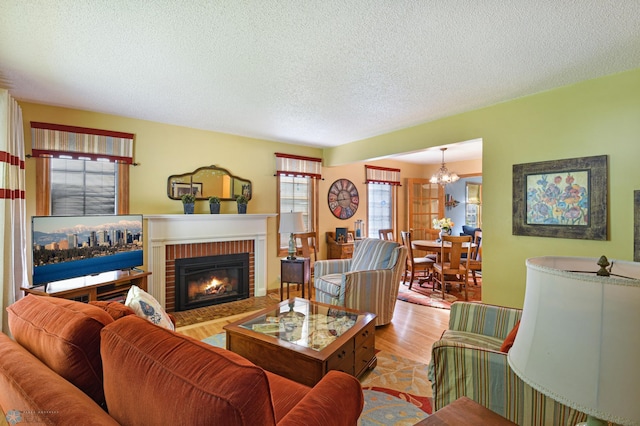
(295, 271)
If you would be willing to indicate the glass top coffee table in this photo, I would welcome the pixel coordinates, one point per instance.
(303, 340)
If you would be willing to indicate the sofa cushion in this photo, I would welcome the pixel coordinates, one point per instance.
(117, 310)
(372, 253)
(33, 391)
(64, 335)
(178, 380)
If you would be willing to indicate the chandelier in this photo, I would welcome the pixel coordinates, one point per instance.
(443, 175)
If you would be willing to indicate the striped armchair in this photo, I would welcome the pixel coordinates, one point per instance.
(367, 282)
(467, 361)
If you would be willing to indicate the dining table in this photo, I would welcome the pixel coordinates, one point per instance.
(434, 246)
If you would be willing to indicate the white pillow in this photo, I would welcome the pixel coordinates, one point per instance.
(146, 306)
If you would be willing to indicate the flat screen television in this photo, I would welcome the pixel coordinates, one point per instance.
(65, 247)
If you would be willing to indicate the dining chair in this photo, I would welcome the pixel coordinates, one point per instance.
(451, 267)
(426, 234)
(475, 263)
(307, 247)
(417, 267)
(386, 234)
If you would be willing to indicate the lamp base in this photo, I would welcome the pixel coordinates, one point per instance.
(292, 248)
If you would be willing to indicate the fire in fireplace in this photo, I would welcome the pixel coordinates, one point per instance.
(209, 280)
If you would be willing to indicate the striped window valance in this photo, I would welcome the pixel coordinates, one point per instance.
(54, 140)
(296, 165)
(382, 175)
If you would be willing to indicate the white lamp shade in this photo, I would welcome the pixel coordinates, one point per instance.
(579, 336)
(291, 223)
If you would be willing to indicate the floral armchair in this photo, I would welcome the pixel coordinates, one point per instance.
(367, 282)
(468, 360)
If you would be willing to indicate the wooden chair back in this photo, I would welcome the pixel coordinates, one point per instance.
(455, 252)
(306, 246)
(477, 250)
(386, 234)
(406, 241)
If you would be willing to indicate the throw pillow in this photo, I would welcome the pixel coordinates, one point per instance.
(146, 306)
(511, 337)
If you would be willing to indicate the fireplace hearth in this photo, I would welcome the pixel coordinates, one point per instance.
(210, 280)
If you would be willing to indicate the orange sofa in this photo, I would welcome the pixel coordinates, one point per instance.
(73, 363)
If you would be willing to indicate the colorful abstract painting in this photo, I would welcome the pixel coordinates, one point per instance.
(558, 199)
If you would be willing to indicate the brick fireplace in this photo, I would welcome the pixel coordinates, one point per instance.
(171, 237)
(203, 253)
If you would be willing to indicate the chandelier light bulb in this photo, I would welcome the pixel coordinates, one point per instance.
(444, 176)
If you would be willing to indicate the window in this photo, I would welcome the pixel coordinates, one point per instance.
(81, 171)
(81, 187)
(381, 198)
(297, 194)
(298, 190)
(379, 208)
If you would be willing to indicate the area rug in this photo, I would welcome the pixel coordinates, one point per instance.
(433, 298)
(397, 392)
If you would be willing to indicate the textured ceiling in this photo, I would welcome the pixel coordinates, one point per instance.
(319, 73)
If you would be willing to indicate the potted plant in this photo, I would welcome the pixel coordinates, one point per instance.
(188, 202)
(242, 204)
(214, 205)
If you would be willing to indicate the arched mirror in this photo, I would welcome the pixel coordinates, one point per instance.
(209, 181)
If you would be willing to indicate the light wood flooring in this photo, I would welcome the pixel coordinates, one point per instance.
(410, 335)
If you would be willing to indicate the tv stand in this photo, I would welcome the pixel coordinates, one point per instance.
(111, 285)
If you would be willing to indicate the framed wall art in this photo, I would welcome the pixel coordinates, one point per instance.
(179, 189)
(636, 226)
(561, 198)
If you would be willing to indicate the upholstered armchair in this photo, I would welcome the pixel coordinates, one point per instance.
(470, 359)
(367, 282)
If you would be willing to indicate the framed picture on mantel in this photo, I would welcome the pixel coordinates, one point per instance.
(561, 198)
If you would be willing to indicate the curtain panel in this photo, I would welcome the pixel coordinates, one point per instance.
(382, 175)
(296, 165)
(80, 143)
(13, 217)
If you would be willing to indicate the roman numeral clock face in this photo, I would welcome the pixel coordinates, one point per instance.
(343, 199)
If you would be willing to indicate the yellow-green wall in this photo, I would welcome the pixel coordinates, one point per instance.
(595, 117)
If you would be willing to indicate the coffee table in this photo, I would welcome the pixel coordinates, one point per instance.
(303, 340)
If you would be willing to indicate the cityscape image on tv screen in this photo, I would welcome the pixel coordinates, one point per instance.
(72, 246)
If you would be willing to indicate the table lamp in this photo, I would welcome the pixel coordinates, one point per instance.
(291, 223)
(578, 338)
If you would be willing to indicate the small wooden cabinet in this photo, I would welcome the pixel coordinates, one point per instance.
(105, 286)
(295, 271)
(336, 250)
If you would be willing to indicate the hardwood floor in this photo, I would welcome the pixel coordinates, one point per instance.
(410, 335)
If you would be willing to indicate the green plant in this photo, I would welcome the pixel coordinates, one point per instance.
(188, 199)
(241, 199)
(214, 200)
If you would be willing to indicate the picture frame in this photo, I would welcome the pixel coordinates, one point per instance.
(179, 189)
(636, 226)
(350, 238)
(341, 235)
(561, 198)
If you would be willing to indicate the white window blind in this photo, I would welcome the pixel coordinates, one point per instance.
(81, 187)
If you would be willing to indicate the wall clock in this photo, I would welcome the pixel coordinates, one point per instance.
(343, 199)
